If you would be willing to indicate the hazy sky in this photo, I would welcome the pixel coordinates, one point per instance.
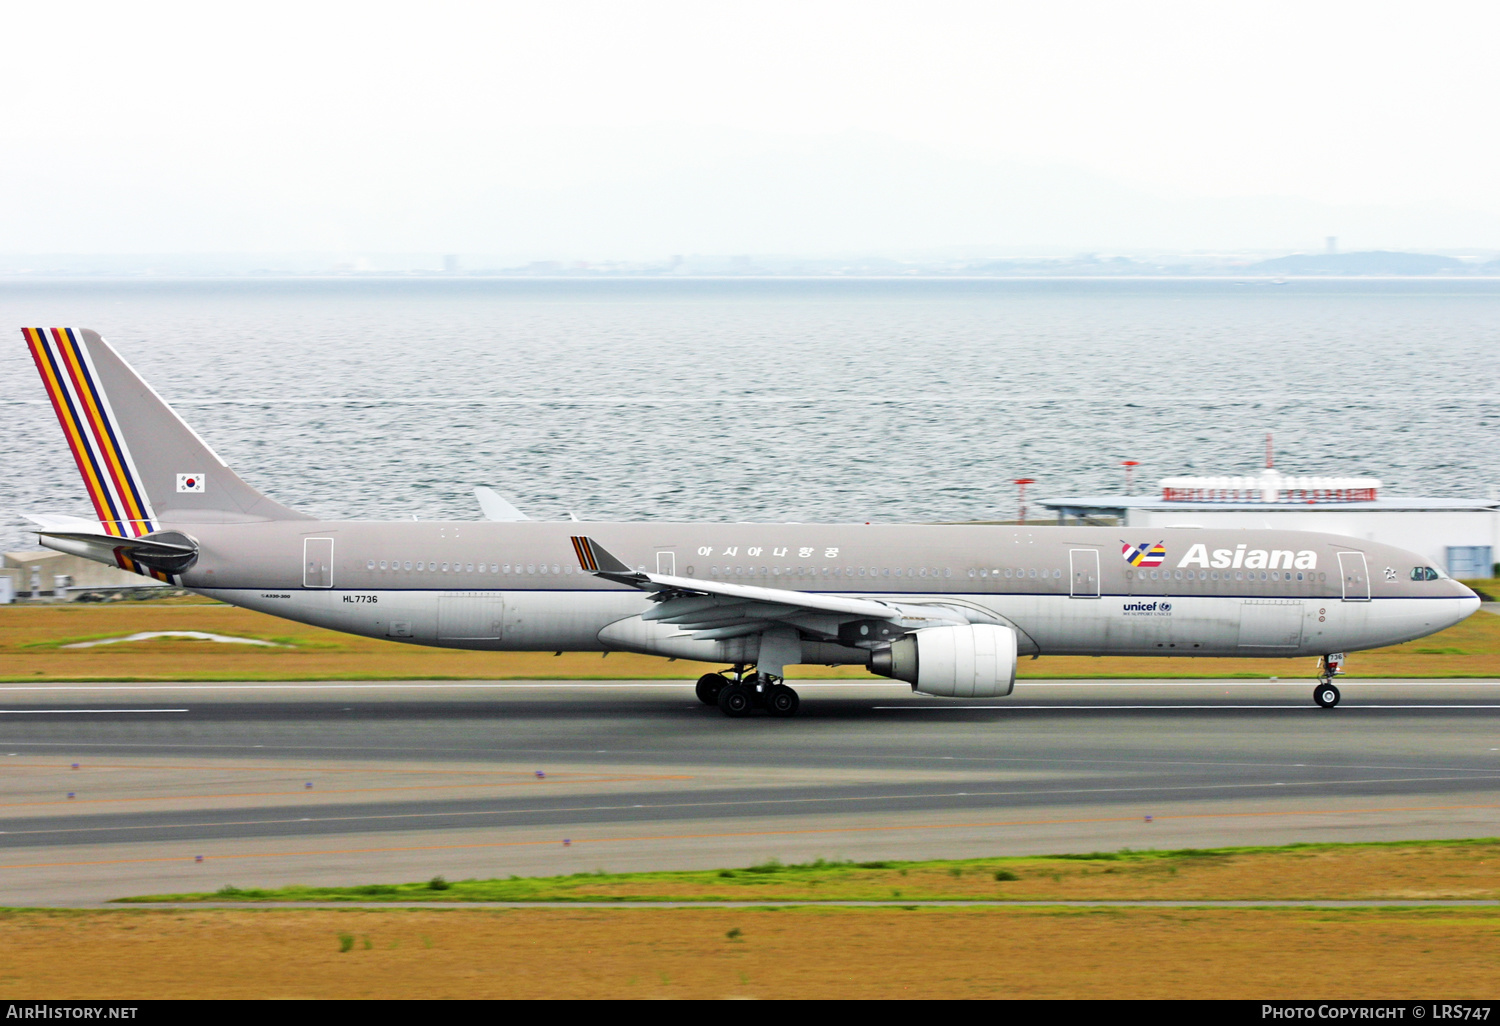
(642, 129)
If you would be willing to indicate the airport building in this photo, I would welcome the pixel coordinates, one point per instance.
(47, 574)
(1460, 535)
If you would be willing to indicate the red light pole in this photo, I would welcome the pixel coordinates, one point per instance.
(1023, 482)
(1130, 466)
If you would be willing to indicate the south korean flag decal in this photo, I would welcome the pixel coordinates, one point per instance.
(191, 483)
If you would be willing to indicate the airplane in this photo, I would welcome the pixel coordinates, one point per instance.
(946, 608)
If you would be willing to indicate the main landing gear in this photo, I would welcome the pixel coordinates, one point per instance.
(738, 693)
(1330, 666)
(709, 686)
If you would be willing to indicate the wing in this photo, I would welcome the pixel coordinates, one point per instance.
(496, 507)
(714, 610)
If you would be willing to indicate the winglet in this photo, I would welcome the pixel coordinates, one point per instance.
(595, 559)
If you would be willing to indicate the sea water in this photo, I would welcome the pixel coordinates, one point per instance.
(781, 400)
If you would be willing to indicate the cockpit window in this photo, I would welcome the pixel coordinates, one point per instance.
(1426, 573)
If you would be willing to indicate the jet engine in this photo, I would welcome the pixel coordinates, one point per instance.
(966, 661)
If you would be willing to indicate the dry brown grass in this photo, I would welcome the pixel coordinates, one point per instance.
(29, 636)
(688, 953)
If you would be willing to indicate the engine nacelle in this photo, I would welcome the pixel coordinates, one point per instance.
(969, 661)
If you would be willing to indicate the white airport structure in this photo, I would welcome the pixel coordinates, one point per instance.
(46, 574)
(1460, 535)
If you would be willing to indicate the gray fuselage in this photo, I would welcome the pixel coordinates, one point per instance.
(1066, 590)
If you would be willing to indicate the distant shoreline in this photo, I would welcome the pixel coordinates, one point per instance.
(1255, 279)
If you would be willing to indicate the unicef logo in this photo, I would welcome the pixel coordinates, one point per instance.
(1166, 607)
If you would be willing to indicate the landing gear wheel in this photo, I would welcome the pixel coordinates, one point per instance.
(709, 686)
(782, 701)
(1326, 695)
(736, 700)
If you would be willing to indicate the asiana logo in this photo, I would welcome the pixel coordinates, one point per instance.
(1157, 608)
(1143, 554)
(1251, 559)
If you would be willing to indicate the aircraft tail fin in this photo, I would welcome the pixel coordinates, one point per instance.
(141, 464)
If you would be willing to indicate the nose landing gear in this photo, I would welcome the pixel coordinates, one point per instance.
(1325, 694)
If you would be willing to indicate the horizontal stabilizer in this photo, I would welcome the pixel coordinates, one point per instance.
(167, 552)
(145, 543)
(63, 522)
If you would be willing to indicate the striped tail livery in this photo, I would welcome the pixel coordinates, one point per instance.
(141, 465)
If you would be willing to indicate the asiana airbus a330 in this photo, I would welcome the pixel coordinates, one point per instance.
(947, 608)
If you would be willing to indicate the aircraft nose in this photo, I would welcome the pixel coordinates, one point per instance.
(1466, 605)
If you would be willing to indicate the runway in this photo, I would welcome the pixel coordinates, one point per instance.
(189, 787)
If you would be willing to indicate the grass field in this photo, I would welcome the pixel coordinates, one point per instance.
(1446, 870)
(1262, 954)
(32, 636)
(818, 951)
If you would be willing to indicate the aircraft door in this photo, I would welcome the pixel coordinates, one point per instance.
(470, 616)
(317, 562)
(666, 562)
(1085, 567)
(1356, 576)
(1270, 623)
